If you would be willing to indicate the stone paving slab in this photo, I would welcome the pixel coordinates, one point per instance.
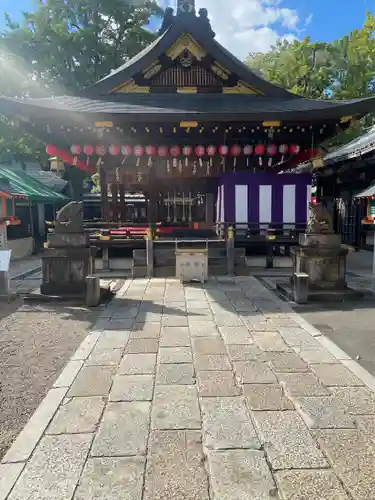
(132, 388)
(137, 364)
(227, 424)
(104, 357)
(175, 355)
(176, 407)
(175, 468)
(352, 455)
(77, 416)
(335, 375)
(112, 479)
(254, 372)
(302, 384)
(287, 362)
(175, 336)
(310, 485)
(54, 469)
(175, 374)
(287, 441)
(92, 381)
(240, 475)
(217, 383)
(325, 412)
(202, 392)
(269, 341)
(212, 362)
(357, 400)
(244, 352)
(146, 346)
(206, 345)
(203, 328)
(235, 335)
(123, 430)
(266, 397)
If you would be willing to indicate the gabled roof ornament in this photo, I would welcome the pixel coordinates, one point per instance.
(185, 7)
(186, 10)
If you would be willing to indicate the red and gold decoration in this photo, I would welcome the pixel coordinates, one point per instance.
(248, 151)
(235, 151)
(260, 149)
(199, 157)
(187, 151)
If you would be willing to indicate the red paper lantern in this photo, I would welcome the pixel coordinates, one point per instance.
(283, 149)
(271, 150)
(224, 150)
(126, 150)
(175, 151)
(162, 151)
(211, 150)
(260, 149)
(51, 149)
(100, 150)
(139, 150)
(248, 150)
(294, 149)
(187, 150)
(114, 150)
(235, 150)
(200, 150)
(151, 150)
(88, 149)
(75, 149)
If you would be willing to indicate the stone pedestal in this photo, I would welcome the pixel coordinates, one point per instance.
(323, 259)
(66, 263)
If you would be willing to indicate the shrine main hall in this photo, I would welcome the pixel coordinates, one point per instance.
(192, 133)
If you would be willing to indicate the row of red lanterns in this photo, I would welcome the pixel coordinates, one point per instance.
(175, 151)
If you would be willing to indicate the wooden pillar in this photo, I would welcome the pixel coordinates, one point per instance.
(152, 210)
(115, 207)
(104, 194)
(122, 192)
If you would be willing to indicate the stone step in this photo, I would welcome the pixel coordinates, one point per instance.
(139, 271)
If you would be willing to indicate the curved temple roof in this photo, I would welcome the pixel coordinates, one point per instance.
(250, 98)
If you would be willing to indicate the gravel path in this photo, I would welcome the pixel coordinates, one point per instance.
(35, 344)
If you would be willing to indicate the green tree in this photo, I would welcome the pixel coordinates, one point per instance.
(64, 46)
(344, 69)
(302, 67)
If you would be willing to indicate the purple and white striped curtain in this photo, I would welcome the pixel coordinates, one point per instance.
(264, 198)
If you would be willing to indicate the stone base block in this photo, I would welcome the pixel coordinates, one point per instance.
(66, 240)
(64, 270)
(320, 240)
(286, 291)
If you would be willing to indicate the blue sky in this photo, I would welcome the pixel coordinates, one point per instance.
(254, 25)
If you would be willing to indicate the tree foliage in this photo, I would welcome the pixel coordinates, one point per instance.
(66, 45)
(344, 69)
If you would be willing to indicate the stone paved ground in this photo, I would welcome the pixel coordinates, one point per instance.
(215, 392)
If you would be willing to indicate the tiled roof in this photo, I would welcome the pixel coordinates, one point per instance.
(198, 105)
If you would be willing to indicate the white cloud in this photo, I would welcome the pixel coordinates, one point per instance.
(248, 26)
(308, 20)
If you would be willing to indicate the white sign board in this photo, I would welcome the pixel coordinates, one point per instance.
(5, 260)
(3, 238)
